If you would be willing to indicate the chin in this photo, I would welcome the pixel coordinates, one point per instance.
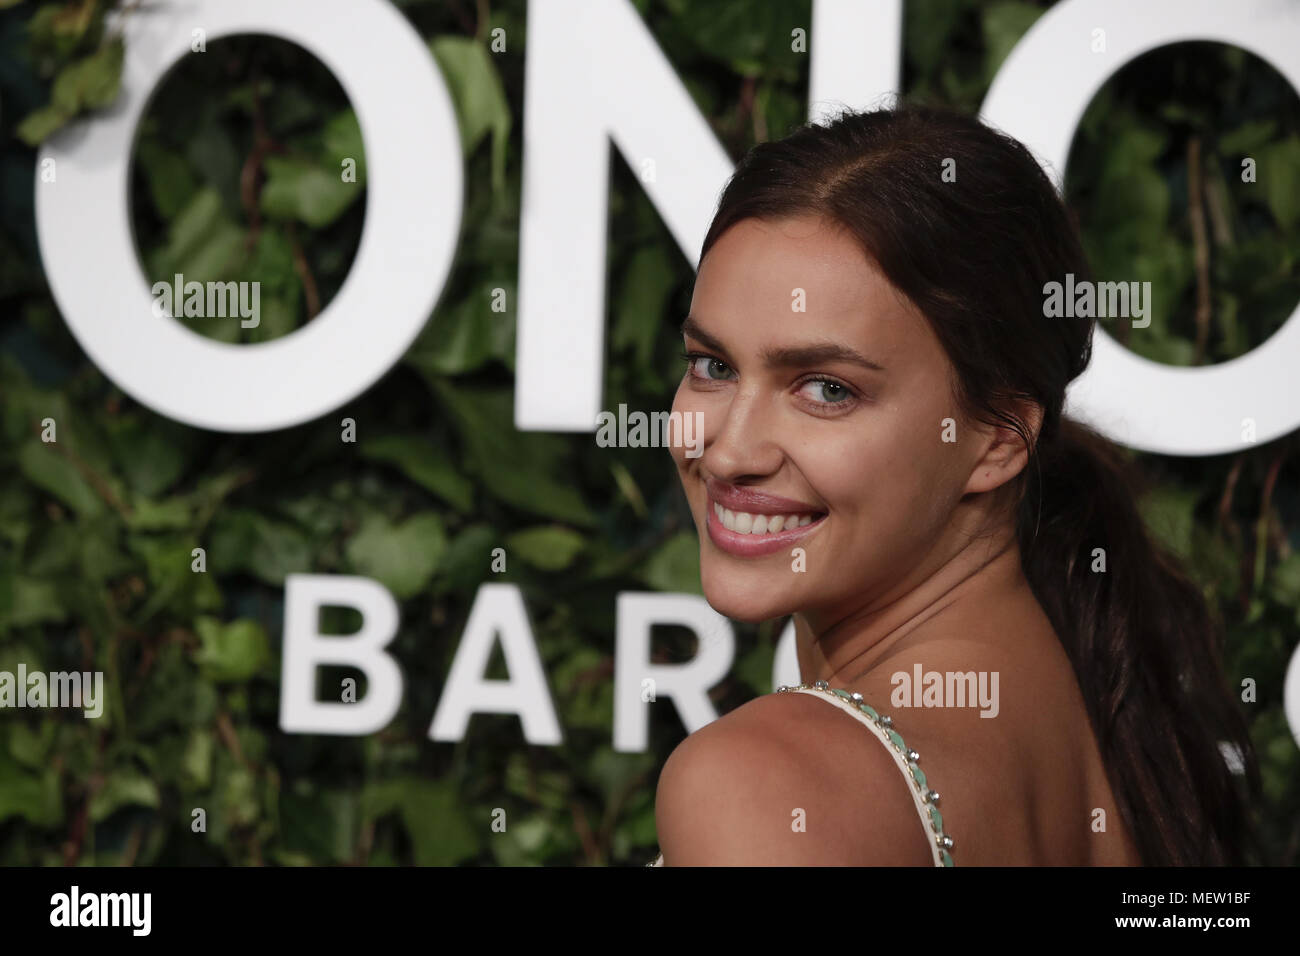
(745, 594)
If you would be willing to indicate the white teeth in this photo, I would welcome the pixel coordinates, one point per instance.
(744, 523)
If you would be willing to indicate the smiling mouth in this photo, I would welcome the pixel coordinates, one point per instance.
(764, 534)
(744, 522)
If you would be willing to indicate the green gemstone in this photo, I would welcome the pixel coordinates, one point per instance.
(918, 775)
(947, 860)
(869, 711)
(936, 818)
(840, 692)
(898, 741)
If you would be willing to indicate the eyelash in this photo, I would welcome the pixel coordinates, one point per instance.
(692, 357)
(853, 397)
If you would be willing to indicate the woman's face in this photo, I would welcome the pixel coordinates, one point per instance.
(823, 395)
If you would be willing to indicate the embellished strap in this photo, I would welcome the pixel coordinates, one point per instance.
(925, 799)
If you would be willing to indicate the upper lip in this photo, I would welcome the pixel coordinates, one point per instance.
(737, 498)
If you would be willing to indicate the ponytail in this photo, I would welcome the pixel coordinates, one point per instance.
(1146, 652)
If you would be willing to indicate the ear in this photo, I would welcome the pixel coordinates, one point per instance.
(1004, 453)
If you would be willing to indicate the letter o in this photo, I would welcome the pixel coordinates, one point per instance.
(413, 211)
(1039, 95)
(1291, 694)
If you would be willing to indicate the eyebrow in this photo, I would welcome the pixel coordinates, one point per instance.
(802, 355)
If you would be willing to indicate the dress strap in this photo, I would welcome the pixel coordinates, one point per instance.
(925, 799)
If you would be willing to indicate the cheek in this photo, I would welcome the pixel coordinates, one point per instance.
(894, 468)
(685, 402)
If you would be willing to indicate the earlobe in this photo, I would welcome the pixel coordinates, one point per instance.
(1007, 453)
(1001, 463)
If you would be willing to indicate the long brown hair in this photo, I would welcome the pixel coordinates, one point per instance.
(973, 252)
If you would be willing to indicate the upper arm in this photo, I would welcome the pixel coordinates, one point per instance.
(786, 781)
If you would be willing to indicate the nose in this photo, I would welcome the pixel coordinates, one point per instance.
(745, 444)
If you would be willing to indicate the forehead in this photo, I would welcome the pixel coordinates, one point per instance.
(749, 284)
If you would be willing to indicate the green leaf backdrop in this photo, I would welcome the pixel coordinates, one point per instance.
(236, 177)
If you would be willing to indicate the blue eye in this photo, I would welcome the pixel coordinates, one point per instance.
(707, 367)
(827, 392)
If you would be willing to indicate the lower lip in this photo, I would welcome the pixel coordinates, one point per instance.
(754, 545)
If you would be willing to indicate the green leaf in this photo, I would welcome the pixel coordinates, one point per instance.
(237, 804)
(54, 550)
(548, 548)
(549, 789)
(1004, 24)
(169, 515)
(90, 83)
(297, 189)
(417, 458)
(321, 825)
(31, 747)
(59, 31)
(1168, 511)
(34, 601)
(176, 697)
(481, 104)
(34, 797)
(642, 302)
(74, 19)
(202, 245)
(616, 773)
(402, 557)
(928, 30)
(40, 124)
(1284, 581)
(521, 468)
(1279, 173)
(170, 179)
(1246, 139)
(675, 565)
(468, 560)
(753, 38)
(462, 336)
(433, 815)
(45, 466)
(196, 762)
(342, 140)
(244, 540)
(232, 652)
(146, 455)
(123, 789)
(173, 583)
(755, 667)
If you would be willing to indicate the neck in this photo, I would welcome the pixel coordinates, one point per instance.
(841, 647)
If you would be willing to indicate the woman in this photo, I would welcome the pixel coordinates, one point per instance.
(885, 458)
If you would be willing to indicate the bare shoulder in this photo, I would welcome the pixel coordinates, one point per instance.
(1006, 740)
(786, 780)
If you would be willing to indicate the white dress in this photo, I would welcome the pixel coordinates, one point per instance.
(881, 726)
